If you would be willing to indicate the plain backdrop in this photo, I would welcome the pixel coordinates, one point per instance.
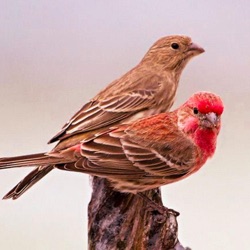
(56, 55)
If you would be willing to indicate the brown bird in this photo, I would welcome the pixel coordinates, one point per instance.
(149, 88)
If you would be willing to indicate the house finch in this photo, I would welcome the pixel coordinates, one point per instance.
(149, 88)
(143, 154)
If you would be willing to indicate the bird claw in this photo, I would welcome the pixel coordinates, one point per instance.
(161, 212)
(173, 212)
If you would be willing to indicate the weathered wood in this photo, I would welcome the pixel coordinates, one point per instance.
(122, 221)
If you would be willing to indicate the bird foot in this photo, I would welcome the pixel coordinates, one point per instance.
(161, 212)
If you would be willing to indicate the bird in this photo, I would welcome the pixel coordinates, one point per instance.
(144, 154)
(147, 89)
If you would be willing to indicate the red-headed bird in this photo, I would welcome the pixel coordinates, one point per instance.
(140, 155)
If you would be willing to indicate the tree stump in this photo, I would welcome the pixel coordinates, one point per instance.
(119, 221)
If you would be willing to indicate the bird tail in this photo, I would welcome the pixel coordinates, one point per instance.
(29, 161)
(25, 184)
(45, 163)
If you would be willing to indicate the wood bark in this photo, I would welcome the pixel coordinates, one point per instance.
(119, 221)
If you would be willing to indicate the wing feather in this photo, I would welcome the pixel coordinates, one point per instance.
(114, 153)
(100, 112)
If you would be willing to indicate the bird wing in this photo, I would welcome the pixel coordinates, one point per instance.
(174, 153)
(173, 161)
(116, 155)
(107, 111)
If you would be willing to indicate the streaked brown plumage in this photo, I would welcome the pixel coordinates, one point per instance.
(149, 88)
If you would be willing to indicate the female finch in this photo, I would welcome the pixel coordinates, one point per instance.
(149, 88)
(143, 154)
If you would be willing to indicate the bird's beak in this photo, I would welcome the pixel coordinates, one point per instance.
(195, 48)
(213, 119)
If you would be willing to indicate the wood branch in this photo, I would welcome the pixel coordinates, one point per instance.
(122, 221)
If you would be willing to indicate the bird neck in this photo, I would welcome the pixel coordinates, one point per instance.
(167, 65)
(205, 139)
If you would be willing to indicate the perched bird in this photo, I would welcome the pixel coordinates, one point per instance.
(147, 89)
(143, 154)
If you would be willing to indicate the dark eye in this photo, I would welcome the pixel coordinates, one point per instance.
(196, 111)
(175, 46)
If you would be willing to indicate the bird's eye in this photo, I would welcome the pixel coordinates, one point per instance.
(196, 111)
(175, 46)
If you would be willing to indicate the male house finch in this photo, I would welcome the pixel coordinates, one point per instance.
(144, 154)
(149, 88)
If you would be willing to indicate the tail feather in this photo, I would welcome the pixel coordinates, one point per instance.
(28, 161)
(33, 177)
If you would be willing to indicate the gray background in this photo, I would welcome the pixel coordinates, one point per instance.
(56, 55)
